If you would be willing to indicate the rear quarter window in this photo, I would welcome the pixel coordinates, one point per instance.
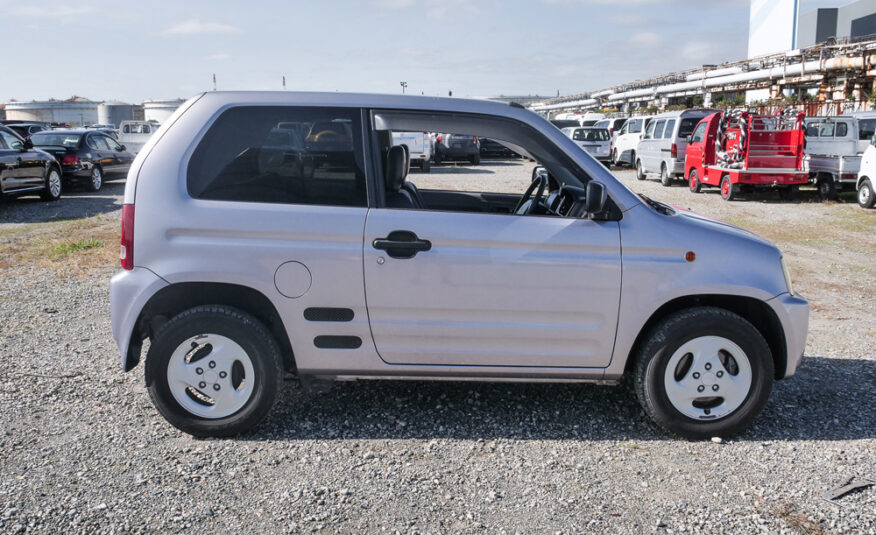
(281, 154)
(687, 125)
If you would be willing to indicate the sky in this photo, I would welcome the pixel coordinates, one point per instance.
(132, 51)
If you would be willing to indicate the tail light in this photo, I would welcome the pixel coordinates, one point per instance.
(70, 159)
(674, 151)
(126, 253)
(439, 139)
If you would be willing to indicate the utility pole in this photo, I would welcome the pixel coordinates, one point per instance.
(403, 86)
(284, 82)
(214, 81)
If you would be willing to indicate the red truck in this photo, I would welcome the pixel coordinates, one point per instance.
(737, 150)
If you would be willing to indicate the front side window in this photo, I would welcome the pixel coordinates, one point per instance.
(281, 154)
(11, 141)
(96, 143)
(700, 133)
(635, 126)
(670, 127)
(649, 132)
(866, 128)
(111, 143)
(842, 130)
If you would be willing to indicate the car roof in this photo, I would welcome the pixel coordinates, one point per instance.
(678, 113)
(68, 131)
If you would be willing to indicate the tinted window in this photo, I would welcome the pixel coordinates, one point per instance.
(827, 129)
(45, 139)
(240, 159)
(687, 126)
(670, 126)
(11, 141)
(111, 143)
(866, 128)
(699, 133)
(635, 126)
(96, 143)
(658, 130)
(591, 134)
(812, 129)
(842, 129)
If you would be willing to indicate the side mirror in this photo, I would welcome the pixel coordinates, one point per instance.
(690, 139)
(28, 144)
(873, 141)
(122, 147)
(595, 200)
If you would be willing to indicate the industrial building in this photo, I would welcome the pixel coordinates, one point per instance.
(160, 110)
(833, 75)
(76, 111)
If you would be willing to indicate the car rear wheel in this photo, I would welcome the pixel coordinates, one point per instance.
(665, 177)
(426, 166)
(213, 371)
(640, 173)
(476, 159)
(826, 187)
(704, 372)
(52, 191)
(614, 161)
(728, 189)
(95, 182)
(866, 198)
(694, 181)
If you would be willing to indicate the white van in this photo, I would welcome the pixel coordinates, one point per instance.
(419, 146)
(661, 149)
(624, 150)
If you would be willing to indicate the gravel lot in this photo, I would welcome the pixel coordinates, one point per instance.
(83, 451)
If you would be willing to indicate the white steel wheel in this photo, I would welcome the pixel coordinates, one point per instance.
(210, 376)
(708, 377)
(866, 197)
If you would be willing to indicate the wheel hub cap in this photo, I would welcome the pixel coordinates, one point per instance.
(708, 378)
(210, 376)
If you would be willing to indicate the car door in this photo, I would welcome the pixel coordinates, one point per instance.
(122, 158)
(487, 289)
(694, 152)
(22, 168)
(646, 145)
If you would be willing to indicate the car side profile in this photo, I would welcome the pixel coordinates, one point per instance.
(661, 149)
(86, 156)
(25, 170)
(236, 274)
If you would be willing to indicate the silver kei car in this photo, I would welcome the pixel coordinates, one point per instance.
(239, 265)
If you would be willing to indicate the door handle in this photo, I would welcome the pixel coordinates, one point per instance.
(402, 244)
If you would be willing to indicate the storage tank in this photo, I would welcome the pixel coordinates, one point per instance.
(114, 112)
(160, 110)
(77, 111)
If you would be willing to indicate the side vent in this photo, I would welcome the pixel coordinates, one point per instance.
(337, 342)
(328, 314)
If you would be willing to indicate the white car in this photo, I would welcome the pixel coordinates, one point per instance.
(624, 150)
(419, 146)
(596, 141)
(867, 176)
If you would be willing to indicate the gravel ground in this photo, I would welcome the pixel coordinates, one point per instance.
(83, 451)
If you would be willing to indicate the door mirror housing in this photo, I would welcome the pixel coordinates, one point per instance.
(594, 202)
(28, 144)
(122, 148)
(690, 138)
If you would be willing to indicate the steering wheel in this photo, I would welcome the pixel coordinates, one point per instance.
(330, 134)
(540, 181)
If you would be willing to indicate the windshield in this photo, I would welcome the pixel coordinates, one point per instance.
(57, 140)
(867, 128)
(591, 134)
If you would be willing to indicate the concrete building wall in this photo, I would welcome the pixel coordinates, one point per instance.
(772, 26)
(856, 19)
(75, 113)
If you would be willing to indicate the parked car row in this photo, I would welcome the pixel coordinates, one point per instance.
(788, 150)
(426, 148)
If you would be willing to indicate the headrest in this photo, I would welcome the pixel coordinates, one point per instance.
(396, 168)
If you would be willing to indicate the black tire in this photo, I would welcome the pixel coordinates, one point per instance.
(426, 166)
(671, 333)
(640, 172)
(614, 161)
(437, 158)
(632, 158)
(250, 334)
(866, 196)
(53, 187)
(728, 189)
(95, 181)
(665, 177)
(476, 159)
(826, 187)
(693, 181)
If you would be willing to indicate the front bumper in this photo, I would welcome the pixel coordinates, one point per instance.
(129, 293)
(793, 313)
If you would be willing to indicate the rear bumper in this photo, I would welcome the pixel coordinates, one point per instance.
(676, 167)
(129, 293)
(793, 313)
(75, 172)
(463, 153)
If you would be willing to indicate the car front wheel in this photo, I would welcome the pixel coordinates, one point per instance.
(704, 372)
(213, 371)
(866, 197)
(52, 190)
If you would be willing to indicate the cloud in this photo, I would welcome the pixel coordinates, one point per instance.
(197, 27)
(646, 39)
(51, 12)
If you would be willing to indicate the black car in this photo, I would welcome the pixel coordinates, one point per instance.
(26, 130)
(494, 149)
(25, 170)
(457, 147)
(85, 155)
